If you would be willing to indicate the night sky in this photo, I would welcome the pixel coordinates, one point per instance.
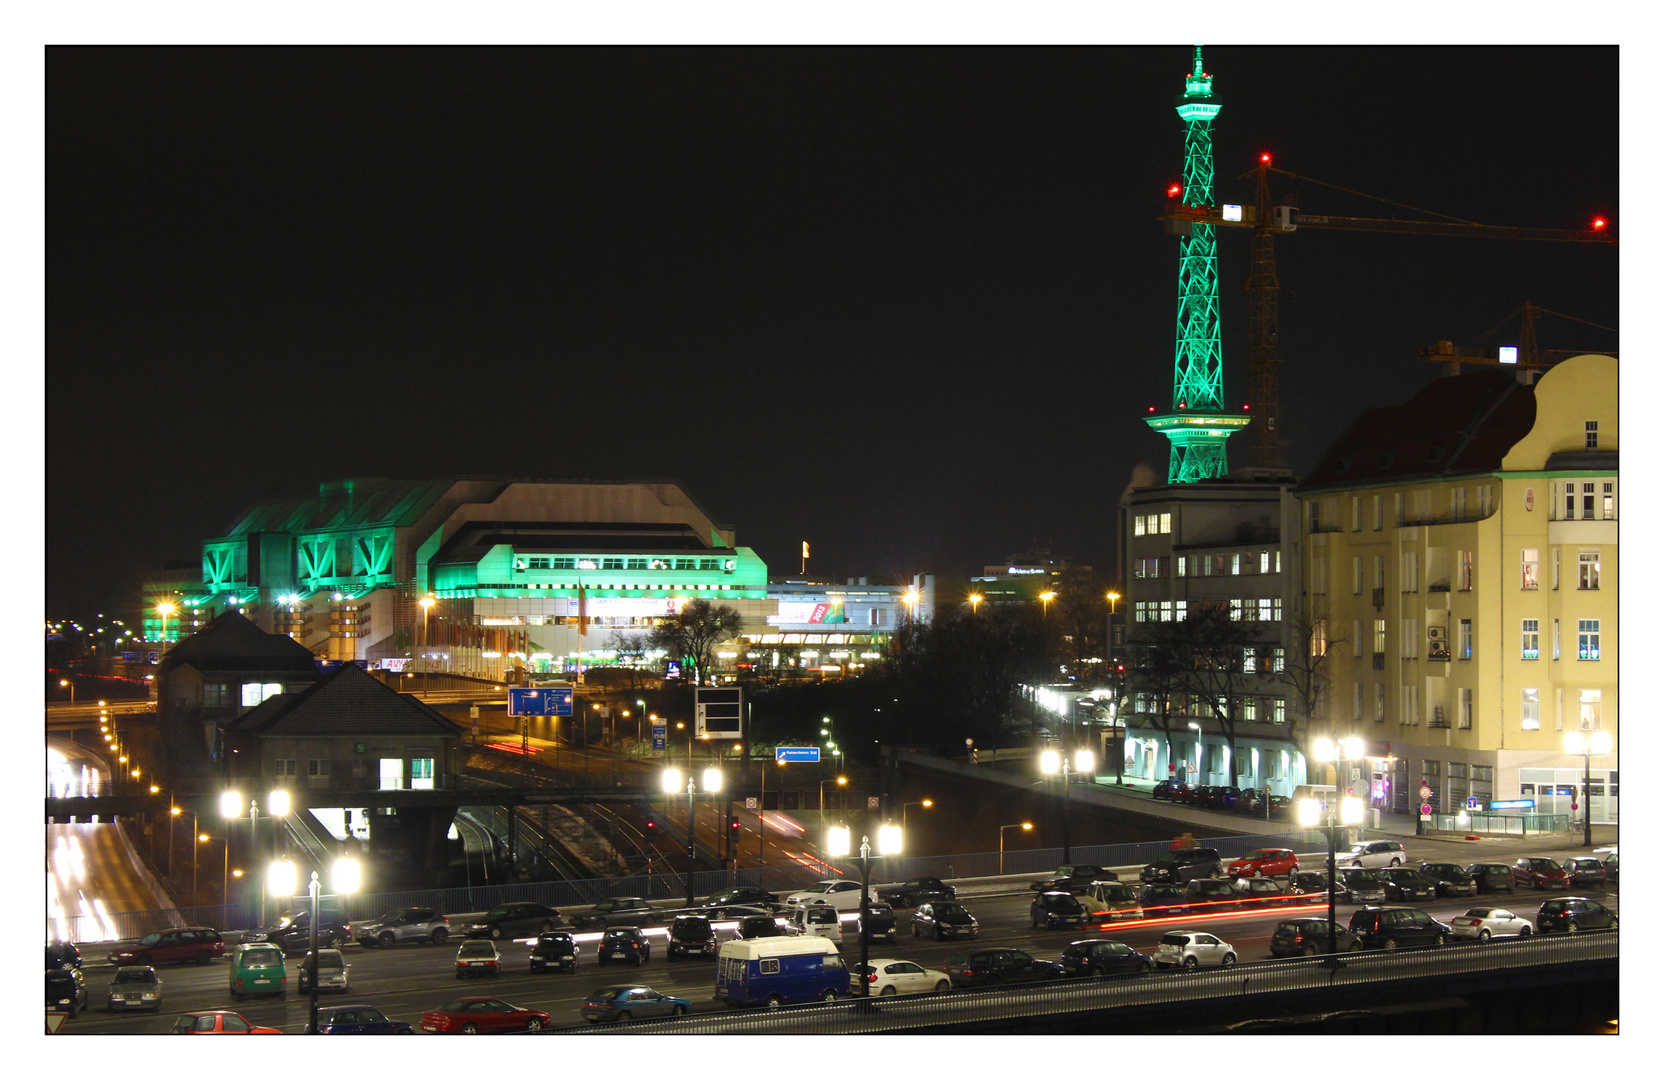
(908, 304)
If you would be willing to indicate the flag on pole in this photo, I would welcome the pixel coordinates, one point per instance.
(805, 567)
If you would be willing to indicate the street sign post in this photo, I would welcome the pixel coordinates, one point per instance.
(541, 701)
(661, 740)
(784, 754)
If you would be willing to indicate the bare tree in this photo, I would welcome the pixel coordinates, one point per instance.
(1306, 673)
(1158, 652)
(694, 632)
(1213, 648)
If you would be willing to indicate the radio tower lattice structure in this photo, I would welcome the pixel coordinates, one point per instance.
(1197, 427)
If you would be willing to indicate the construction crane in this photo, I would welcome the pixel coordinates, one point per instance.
(1525, 355)
(1266, 221)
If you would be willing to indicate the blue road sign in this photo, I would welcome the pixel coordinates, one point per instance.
(796, 753)
(542, 701)
(1514, 804)
(661, 740)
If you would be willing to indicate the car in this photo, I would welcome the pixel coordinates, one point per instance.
(1260, 892)
(332, 971)
(66, 991)
(1609, 860)
(616, 911)
(1308, 937)
(134, 988)
(841, 893)
(1095, 957)
(359, 1020)
(482, 1016)
(1492, 877)
(554, 949)
(741, 894)
(478, 958)
(1194, 949)
(257, 968)
(1361, 885)
(1169, 790)
(1057, 911)
(1160, 901)
(1537, 873)
(1108, 900)
(943, 920)
(1281, 807)
(1408, 883)
(1450, 879)
(1573, 915)
(525, 919)
(1381, 927)
(987, 966)
(1582, 870)
(1207, 895)
(62, 954)
(886, 977)
(621, 1004)
(184, 944)
(293, 932)
(218, 1022)
(1262, 862)
(1072, 877)
(730, 912)
(400, 925)
(760, 925)
(908, 894)
(690, 935)
(816, 920)
(1308, 883)
(1191, 796)
(1484, 923)
(1223, 797)
(1180, 865)
(625, 943)
(1371, 853)
(881, 920)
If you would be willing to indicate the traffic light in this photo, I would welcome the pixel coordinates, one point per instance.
(733, 823)
(652, 826)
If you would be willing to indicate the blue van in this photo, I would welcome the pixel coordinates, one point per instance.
(776, 971)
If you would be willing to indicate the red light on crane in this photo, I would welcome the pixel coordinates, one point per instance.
(1266, 158)
(1600, 223)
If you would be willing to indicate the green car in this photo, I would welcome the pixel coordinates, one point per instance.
(258, 969)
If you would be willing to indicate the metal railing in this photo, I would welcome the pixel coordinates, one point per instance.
(1503, 824)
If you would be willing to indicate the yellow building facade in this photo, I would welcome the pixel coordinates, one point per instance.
(1463, 556)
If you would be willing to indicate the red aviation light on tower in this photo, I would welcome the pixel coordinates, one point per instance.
(1598, 224)
(1173, 191)
(1265, 159)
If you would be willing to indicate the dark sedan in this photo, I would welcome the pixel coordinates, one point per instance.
(1450, 879)
(1159, 901)
(359, 1020)
(1584, 870)
(943, 920)
(986, 967)
(1073, 877)
(1492, 877)
(741, 894)
(1057, 911)
(515, 921)
(1405, 883)
(1308, 937)
(1573, 915)
(1169, 789)
(1099, 956)
(912, 893)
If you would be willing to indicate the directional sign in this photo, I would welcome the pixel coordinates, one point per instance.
(542, 701)
(1514, 804)
(1474, 802)
(661, 738)
(796, 753)
(718, 712)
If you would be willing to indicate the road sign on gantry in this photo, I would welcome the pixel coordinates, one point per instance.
(717, 712)
(796, 753)
(541, 701)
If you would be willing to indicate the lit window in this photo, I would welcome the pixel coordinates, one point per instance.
(1528, 568)
(1167, 523)
(1528, 639)
(1608, 509)
(1588, 639)
(421, 773)
(1529, 720)
(1588, 569)
(392, 774)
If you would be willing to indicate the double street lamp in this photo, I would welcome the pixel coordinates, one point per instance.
(277, 805)
(889, 843)
(1335, 812)
(1580, 744)
(672, 783)
(1052, 763)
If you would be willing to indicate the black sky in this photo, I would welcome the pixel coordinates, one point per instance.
(908, 304)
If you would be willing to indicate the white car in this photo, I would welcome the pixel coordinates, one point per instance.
(838, 892)
(1372, 853)
(887, 977)
(1193, 949)
(1484, 923)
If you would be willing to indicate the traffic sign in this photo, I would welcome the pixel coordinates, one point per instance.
(872, 802)
(660, 738)
(1474, 802)
(541, 701)
(1426, 810)
(751, 802)
(54, 1020)
(717, 712)
(783, 754)
(1425, 792)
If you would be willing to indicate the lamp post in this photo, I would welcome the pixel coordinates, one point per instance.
(711, 781)
(1052, 763)
(976, 601)
(1025, 826)
(842, 780)
(1112, 597)
(926, 803)
(1046, 599)
(346, 879)
(277, 805)
(1349, 811)
(164, 609)
(66, 682)
(426, 602)
(1578, 743)
(889, 843)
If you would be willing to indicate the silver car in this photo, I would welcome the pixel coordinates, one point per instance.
(403, 924)
(1484, 923)
(332, 971)
(134, 988)
(1193, 949)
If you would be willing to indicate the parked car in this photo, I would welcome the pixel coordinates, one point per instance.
(1277, 862)
(1373, 853)
(987, 966)
(554, 949)
(62, 954)
(841, 893)
(1450, 879)
(625, 943)
(1057, 911)
(1259, 892)
(751, 927)
(1108, 900)
(1361, 884)
(1532, 873)
(1193, 949)
(524, 919)
(1408, 883)
(1583, 870)
(66, 991)
(482, 1016)
(359, 1020)
(1281, 808)
(402, 924)
(621, 1004)
(1169, 789)
(741, 894)
(1100, 956)
(906, 894)
(218, 1022)
(1573, 915)
(1608, 857)
(134, 988)
(690, 935)
(731, 912)
(1484, 923)
(1161, 901)
(1308, 883)
(1492, 877)
(293, 932)
(816, 920)
(1222, 797)
(258, 968)
(332, 971)
(478, 958)
(1308, 937)
(1191, 796)
(1182, 864)
(943, 920)
(881, 918)
(889, 977)
(1072, 877)
(616, 911)
(1208, 895)
(1396, 927)
(181, 945)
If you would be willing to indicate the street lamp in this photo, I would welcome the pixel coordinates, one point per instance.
(1046, 599)
(1577, 743)
(426, 602)
(1112, 597)
(66, 682)
(346, 879)
(911, 599)
(889, 843)
(711, 782)
(926, 803)
(842, 780)
(1025, 826)
(164, 609)
(976, 601)
(1051, 763)
(277, 805)
(1349, 811)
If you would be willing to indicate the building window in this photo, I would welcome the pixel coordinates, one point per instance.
(1138, 525)
(1464, 708)
(1458, 503)
(1591, 434)
(1380, 637)
(1411, 704)
(1357, 575)
(255, 693)
(1571, 503)
(1528, 639)
(283, 768)
(1588, 710)
(392, 774)
(1408, 583)
(1181, 572)
(1608, 509)
(1279, 711)
(1375, 512)
(1556, 639)
(317, 767)
(1380, 572)
(1588, 569)
(1528, 568)
(1529, 718)
(1250, 709)
(1276, 657)
(216, 695)
(1314, 513)
(1357, 513)
(1265, 562)
(877, 617)
(1588, 639)
(1236, 562)
(421, 773)
(1589, 501)
(1357, 637)
(1357, 701)
(1380, 703)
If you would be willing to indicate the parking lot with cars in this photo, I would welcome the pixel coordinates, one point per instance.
(415, 984)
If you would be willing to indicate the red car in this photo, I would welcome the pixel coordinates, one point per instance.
(1266, 862)
(218, 1022)
(482, 1016)
(179, 945)
(1540, 874)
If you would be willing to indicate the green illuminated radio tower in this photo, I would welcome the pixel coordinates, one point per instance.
(1197, 427)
